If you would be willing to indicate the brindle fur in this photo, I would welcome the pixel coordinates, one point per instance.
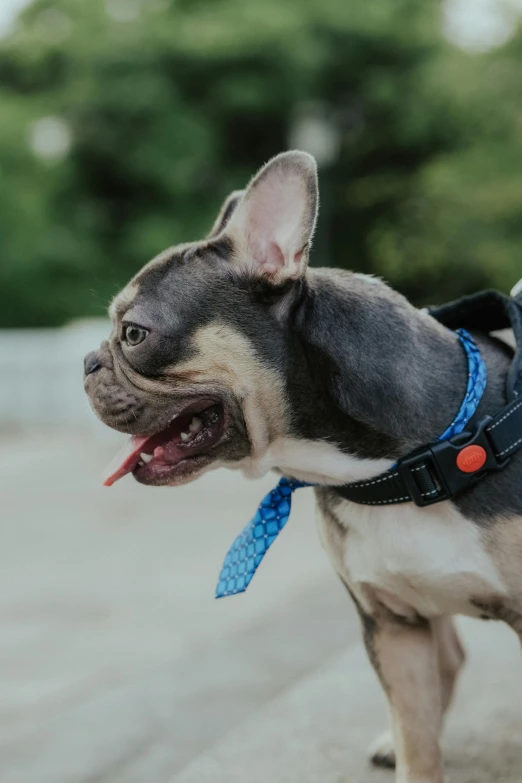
(339, 367)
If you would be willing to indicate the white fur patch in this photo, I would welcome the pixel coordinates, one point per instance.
(431, 560)
(317, 462)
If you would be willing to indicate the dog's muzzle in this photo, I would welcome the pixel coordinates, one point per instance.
(114, 401)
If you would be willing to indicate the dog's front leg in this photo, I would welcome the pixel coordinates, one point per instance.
(405, 659)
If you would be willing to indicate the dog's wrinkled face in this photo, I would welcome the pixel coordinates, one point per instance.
(195, 366)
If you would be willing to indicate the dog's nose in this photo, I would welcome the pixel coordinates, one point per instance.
(91, 363)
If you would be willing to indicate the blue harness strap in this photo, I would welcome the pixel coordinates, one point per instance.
(249, 548)
(477, 379)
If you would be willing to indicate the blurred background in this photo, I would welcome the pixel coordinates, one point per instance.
(123, 125)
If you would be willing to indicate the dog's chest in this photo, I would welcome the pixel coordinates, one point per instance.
(430, 561)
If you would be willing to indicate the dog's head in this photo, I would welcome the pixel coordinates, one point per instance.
(195, 367)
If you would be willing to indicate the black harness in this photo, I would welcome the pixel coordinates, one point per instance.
(442, 470)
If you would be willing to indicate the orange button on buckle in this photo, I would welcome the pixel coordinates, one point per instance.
(471, 459)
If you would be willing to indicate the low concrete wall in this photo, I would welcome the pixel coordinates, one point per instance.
(41, 374)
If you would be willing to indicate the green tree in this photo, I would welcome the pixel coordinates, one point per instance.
(171, 104)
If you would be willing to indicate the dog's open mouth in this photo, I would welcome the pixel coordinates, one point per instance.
(175, 451)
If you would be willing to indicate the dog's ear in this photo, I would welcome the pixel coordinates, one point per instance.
(272, 225)
(225, 213)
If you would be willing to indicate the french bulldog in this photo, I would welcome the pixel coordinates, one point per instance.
(232, 352)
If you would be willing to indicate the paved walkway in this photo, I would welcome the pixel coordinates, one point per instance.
(118, 666)
(318, 729)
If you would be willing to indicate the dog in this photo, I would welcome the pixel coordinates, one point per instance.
(231, 352)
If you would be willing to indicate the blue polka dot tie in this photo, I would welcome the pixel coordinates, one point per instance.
(250, 547)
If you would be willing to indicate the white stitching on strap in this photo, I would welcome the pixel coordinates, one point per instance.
(509, 447)
(425, 494)
(375, 481)
(395, 500)
(387, 502)
(506, 416)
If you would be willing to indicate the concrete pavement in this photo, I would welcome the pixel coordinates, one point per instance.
(118, 666)
(319, 729)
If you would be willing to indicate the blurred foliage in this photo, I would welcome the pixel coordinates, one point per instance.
(173, 103)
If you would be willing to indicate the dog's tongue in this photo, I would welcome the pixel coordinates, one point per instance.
(125, 460)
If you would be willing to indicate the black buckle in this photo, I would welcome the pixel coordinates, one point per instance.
(440, 460)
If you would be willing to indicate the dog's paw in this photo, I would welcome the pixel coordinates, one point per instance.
(381, 751)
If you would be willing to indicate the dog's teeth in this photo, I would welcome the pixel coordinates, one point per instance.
(195, 425)
(146, 457)
(184, 436)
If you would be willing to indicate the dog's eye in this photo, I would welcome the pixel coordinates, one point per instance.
(133, 335)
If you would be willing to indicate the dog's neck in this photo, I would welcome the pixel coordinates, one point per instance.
(368, 371)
